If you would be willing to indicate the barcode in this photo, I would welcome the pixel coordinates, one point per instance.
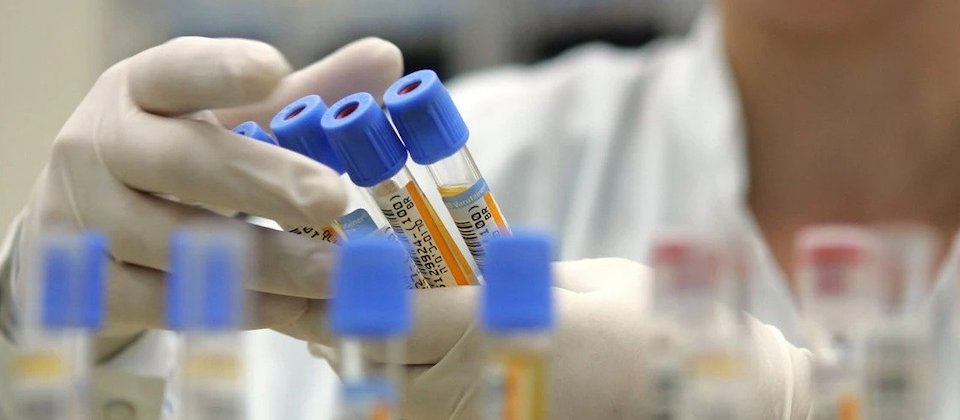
(473, 240)
(475, 225)
(408, 223)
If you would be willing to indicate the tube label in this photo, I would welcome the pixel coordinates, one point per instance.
(357, 224)
(327, 233)
(413, 219)
(516, 387)
(476, 214)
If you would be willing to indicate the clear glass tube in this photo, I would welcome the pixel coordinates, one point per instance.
(211, 376)
(369, 390)
(517, 377)
(469, 201)
(437, 258)
(50, 375)
(696, 367)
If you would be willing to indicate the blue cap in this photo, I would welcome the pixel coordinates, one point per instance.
(371, 298)
(253, 130)
(517, 296)
(364, 140)
(73, 271)
(425, 116)
(204, 283)
(297, 127)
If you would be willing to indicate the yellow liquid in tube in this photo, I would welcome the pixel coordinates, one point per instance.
(524, 385)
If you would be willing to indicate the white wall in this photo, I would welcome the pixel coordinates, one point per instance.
(50, 53)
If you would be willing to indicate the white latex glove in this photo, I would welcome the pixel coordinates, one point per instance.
(158, 124)
(602, 325)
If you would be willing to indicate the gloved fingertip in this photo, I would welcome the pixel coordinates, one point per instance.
(382, 53)
(258, 68)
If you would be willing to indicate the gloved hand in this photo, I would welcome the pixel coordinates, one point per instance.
(156, 126)
(599, 343)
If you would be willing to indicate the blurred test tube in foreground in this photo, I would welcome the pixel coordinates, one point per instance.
(517, 313)
(52, 361)
(371, 314)
(697, 367)
(205, 303)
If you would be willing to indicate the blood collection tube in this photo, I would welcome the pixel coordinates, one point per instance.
(50, 366)
(357, 221)
(517, 315)
(204, 303)
(841, 298)
(371, 311)
(436, 136)
(375, 159)
(698, 367)
(362, 217)
(292, 133)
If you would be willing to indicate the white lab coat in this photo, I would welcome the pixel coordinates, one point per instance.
(602, 146)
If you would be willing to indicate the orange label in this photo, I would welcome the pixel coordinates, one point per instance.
(412, 217)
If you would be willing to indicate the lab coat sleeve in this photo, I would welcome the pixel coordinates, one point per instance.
(130, 385)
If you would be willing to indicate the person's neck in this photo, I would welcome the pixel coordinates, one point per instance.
(851, 125)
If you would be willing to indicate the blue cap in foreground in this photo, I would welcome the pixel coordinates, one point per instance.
(253, 130)
(363, 139)
(517, 296)
(426, 117)
(372, 298)
(297, 127)
(204, 283)
(73, 271)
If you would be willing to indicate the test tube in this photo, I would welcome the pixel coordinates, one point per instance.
(517, 314)
(294, 134)
(841, 300)
(362, 217)
(296, 129)
(701, 372)
(375, 159)
(51, 362)
(371, 312)
(436, 136)
(899, 352)
(204, 303)
(907, 256)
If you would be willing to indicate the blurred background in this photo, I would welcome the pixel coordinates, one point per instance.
(51, 51)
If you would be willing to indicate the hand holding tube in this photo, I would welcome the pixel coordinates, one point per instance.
(147, 150)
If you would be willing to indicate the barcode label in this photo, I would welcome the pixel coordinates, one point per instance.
(476, 215)
(438, 262)
(416, 280)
